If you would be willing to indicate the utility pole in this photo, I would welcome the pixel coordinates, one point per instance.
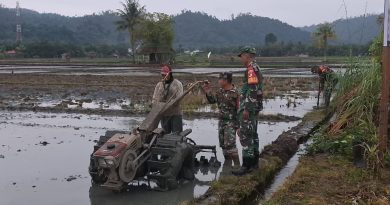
(385, 95)
(18, 24)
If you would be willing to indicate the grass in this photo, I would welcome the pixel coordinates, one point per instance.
(326, 179)
(355, 104)
(231, 190)
(327, 175)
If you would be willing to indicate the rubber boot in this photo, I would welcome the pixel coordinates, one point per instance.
(255, 161)
(228, 161)
(245, 168)
(236, 161)
(227, 166)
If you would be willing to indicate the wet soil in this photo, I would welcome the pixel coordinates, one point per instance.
(245, 189)
(57, 173)
(97, 94)
(49, 122)
(146, 70)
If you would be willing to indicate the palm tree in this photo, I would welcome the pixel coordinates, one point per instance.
(323, 34)
(131, 16)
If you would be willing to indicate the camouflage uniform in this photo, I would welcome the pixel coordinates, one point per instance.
(227, 101)
(328, 81)
(251, 100)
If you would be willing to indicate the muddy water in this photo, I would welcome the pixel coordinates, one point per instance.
(290, 105)
(139, 71)
(46, 157)
(287, 171)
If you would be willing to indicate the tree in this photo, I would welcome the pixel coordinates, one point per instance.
(270, 39)
(131, 17)
(323, 34)
(157, 33)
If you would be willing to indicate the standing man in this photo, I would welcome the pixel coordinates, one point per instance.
(169, 89)
(227, 99)
(328, 81)
(251, 103)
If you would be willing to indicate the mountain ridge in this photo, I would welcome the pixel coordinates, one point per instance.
(192, 29)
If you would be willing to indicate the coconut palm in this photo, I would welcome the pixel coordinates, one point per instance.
(323, 34)
(131, 17)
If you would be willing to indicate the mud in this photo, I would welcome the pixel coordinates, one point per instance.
(244, 190)
(119, 95)
(284, 173)
(59, 170)
(50, 121)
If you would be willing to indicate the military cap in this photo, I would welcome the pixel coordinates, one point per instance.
(247, 49)
(226, 76)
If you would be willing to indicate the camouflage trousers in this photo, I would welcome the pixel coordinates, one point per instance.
(248, 137)
(227, 138)
(329, 87)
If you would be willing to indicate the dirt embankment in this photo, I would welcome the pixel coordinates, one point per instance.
(325, 179)
(242, 190)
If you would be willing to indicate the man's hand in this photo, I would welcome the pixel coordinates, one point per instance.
(245, 115)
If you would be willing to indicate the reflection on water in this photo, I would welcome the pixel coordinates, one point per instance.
(287, 171)
(141, 194)
(46, 158)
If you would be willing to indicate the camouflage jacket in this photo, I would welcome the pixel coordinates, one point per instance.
(227, 101)
(251, 93)
(328, 78)
(165, 92)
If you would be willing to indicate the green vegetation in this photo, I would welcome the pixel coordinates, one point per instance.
(157, 30)
(270, 39)
(130, 20)
(323, 34)
(356, 106)
(50, 35)
(357, 30)
(244, 190)
(324, 179)
(328, 175)
(189, 28)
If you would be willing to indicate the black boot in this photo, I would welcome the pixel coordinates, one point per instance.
(255, 161)
(245, 168)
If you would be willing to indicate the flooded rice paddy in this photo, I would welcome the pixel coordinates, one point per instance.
(45, 157)
(143, 71)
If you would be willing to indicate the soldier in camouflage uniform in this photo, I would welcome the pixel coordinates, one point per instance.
(227, 99)
(251, 103)
(328, 81)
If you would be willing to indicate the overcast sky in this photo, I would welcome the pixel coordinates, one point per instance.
(294, 12)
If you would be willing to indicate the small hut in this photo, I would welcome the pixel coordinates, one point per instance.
(158, 55)
(65, 56)
(92, 54)
(11, 54)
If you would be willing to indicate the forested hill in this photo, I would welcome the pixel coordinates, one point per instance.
(199, 29)
(91, 29)
(357, 30)
(192, 29)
